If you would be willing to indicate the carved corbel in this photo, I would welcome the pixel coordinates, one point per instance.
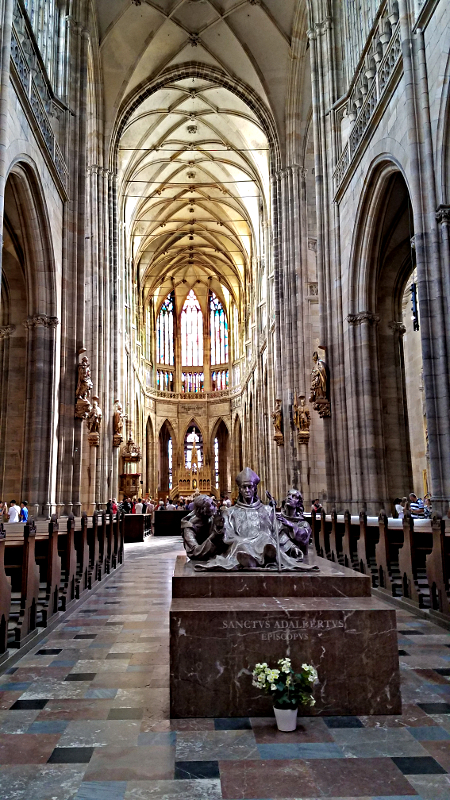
(6, 331)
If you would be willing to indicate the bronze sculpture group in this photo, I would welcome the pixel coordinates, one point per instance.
(248, 535)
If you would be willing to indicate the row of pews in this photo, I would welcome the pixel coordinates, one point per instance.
(408, 558)
(47, 566)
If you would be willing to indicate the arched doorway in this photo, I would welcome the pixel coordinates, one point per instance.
(400, 349)
(386, 408)
(27, 345)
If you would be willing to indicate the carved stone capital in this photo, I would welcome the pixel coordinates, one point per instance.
(443, 215)
(117, 440)
(397, 327)
(40, 320)
(363, 316)
(6, 331)
(323, 407)
(94, 439)
(312, 244)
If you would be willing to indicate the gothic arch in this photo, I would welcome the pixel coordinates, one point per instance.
(27, 355)
(382, 260)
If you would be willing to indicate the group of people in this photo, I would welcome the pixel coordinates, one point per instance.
(419, 509)
(12, 512)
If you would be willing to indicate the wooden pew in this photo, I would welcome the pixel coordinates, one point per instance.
(21, 566)
(337, 533)
(118, 543)
(102, 544)
(110, 542)
(412, 562)
(52, 566)
(324, 536)
(82, 550)
(349, 543)
(69, 560)
(386, 556)
(94, 551)
(5, 594)
(437, 567)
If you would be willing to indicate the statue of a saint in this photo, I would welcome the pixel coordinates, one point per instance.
(277, 418)
(319, 387)
(94, 417)
(202, 530)
(294, 527)
(301, 418)
(85, 384)
(118, 418)
(250, 533)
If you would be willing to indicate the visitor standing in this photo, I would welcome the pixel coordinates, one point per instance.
(416, 506)
(24, 511)
(139, 507)
(13, 512)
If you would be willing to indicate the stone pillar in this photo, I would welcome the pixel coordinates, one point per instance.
(5, 59)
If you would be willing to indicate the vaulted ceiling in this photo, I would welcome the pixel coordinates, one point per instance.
(193, 156)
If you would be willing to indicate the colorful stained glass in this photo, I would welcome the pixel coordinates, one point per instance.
(219, 380)
(164, 332)
(219, 331)
(192, 381)
(191, 332)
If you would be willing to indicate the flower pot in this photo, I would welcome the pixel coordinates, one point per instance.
(286, 718)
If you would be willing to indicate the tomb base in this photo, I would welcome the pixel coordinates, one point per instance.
(215, 641)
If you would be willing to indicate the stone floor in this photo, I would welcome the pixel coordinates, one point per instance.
(84, 716)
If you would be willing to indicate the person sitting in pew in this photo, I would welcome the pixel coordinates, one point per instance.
(14, 512)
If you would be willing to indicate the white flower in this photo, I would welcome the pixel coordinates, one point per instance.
(288, 681)
(312, 702)
(273, 687)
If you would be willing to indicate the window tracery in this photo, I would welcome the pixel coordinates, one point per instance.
(164, 333)
(191, 332)
(219, 331)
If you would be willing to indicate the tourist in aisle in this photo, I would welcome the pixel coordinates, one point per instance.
(13, 512)
(24, 511)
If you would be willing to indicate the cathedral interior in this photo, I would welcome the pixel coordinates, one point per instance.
(225, 244)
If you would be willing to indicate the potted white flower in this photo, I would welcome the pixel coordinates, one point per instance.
(290, 690)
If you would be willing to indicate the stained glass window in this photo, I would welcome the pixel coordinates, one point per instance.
(164, 380)
(216, 462)
(219, 380)
(219, 331)
(192, 381)
(164, 332)
(191, 332)
(193, 436)
(170, 459)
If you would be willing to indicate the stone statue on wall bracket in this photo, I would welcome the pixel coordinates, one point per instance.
(302, 419)
(277, 418)
(93, 421)
(250, 535)
(202, 530)
(118, 419)
(83, 390)
(319, 396)
(294, 528)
